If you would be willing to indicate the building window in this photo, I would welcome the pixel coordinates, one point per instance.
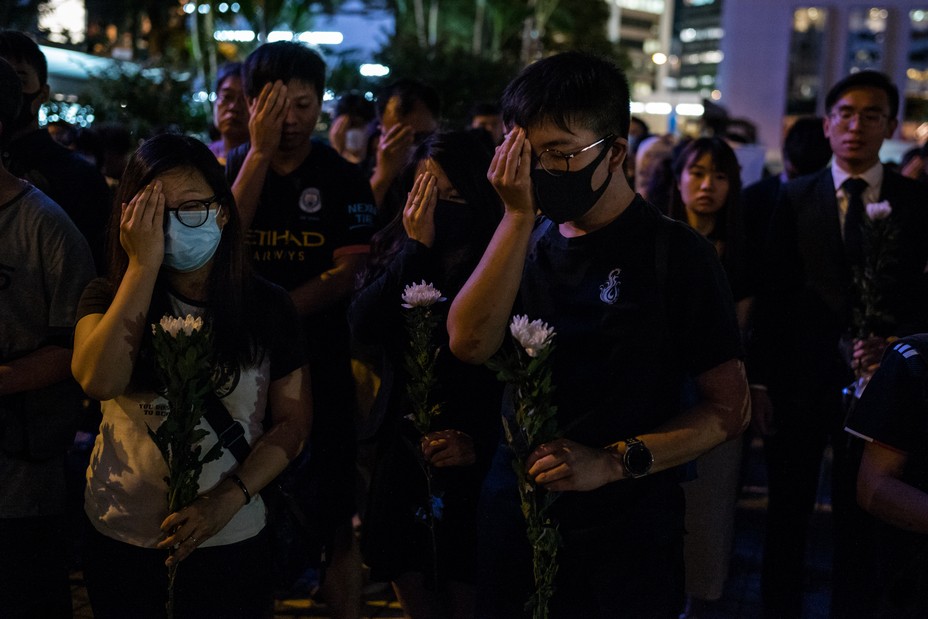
(915, 113)
(806, 60)
(865, 39)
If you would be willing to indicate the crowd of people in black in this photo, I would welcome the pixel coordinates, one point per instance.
(688, 301)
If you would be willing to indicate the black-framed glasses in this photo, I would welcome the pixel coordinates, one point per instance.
(870, 118)
(556, 163)
(194, 213)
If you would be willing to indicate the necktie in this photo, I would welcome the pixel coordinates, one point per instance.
(853, 221)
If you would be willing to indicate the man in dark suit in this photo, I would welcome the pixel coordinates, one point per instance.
(804, 322)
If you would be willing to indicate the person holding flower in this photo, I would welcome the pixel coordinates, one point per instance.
(822, 320)
(638, 302)
(176, 250)
(432, 245)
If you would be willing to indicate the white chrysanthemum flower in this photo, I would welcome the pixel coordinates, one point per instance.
(421, 295)
(174, 325)
(533, 336)
(879, 210)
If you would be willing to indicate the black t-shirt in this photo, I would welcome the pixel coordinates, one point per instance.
(893, 409)
(304, 220)
(635, 311)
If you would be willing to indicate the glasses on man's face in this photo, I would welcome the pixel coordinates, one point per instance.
(228, 98)
(868, 118)
(556, 163)
(193, 213)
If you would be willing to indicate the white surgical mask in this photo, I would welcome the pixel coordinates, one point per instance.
(187, 249)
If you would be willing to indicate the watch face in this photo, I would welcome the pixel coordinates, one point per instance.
(638, 459)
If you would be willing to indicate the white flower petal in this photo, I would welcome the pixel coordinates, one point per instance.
(421, 295)
(533, 336)
(879, 210)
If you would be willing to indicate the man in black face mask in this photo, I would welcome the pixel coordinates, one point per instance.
(640, 307)
(34, 156)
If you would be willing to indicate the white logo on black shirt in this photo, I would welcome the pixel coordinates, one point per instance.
(310, 200)
(609, 292)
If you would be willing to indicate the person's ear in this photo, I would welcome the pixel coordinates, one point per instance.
(222, 217)
(891, 126)
(44, 92)
(617, 154)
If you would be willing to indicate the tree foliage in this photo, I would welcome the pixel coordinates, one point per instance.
(470, 49)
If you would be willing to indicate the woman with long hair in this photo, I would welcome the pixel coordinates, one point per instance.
(437, 237)
(176, 248)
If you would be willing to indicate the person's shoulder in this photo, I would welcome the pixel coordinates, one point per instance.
(902, 188)
(40, 206)
(762, 188)
(808, 182)
(236, 156)
(270, 293)
(324, 155)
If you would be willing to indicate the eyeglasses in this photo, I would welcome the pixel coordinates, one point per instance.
(556, 163)
(194, 213)
(228, 98)
(870, 118)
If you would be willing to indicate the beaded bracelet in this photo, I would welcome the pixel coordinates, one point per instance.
(238, 482)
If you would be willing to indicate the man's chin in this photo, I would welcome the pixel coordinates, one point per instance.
(292, 143)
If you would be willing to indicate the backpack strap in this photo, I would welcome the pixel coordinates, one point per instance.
(231, 434)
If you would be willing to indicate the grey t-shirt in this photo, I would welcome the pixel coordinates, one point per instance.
(44, 265)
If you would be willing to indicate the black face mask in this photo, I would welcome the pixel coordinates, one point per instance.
(26, 116)
(569, 196)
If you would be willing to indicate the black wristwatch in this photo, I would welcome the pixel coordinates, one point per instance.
(637, 459)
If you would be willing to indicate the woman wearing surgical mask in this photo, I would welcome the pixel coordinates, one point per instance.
(707, 196)
(176, 248)
(438, 236)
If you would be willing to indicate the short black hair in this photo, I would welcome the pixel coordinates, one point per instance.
(283, 60)
(409, 91)
(572, 87)
(11, 98)
(806, 147)
(227, 70)
(18, 47)
(865, 79)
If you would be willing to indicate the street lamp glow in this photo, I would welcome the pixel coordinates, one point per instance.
(373, 70)
(190, 8)
(234, 36)
(689, 109)
(322, 38)
(279, 35)
(203, 9)
(659, 58)
(658, 108)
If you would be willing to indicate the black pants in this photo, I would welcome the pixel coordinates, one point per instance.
(34, 568)
(613, 571)
(804, 427)
(231, 581)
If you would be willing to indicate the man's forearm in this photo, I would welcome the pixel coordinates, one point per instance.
(722, 415)
(248, 184)
(480, 312)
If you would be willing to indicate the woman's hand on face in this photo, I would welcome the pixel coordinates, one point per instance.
(448, 448)
(186, 529)
(141, 227)
(509, 172)
(419, 212)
